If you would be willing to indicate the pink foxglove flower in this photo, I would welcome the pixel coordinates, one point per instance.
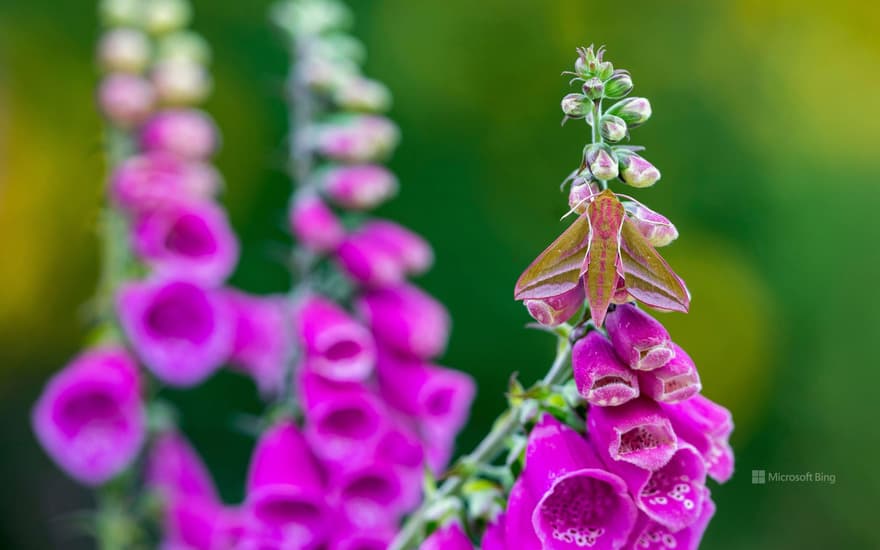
(370, 495)
(707, 426)
(675, 381)
(555, 310)
(637, 432)
(182, 331)
(90, 418)
(336, 345)
(650, 535)
(448, 537)
(601, 378)
(639, 339)
(344, 421)
(494, 537)
(407, 320)
(175, 469)
(261, 343)
(356, 138)
(368, 262)
(315, 225)
(581, 504)
(286, 490)
(518, 527)
(191, 239)
(359, 187)
(655, 227)
(149, 181)
(125, 99)
(671, 495)
(187, 133)
(411, 251)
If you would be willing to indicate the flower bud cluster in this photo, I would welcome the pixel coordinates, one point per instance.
(604, 159)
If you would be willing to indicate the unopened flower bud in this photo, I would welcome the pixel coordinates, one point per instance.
(594, 88)
(120, 12)
(575, 105)
(180, 82)
(184, 46)
(580, 193)
(637, 171)
(124, 50)
(360, 186)
(556, 309)
(167, 15)
(619, 85)
(605, 70)
(187, 133)
(315, 225)
(613, 128)
(633, 110)
(362, 94)
(125, 99)
(602, 163)
(655, 227)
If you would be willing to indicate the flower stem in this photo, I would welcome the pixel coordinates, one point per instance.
(495, 442)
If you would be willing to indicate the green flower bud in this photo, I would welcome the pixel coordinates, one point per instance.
(594, 88)
(633, 110)
(121, 12)
(167, 15)
(619, 85)
(606, 70)
(613, 128)
(184, 46)
(575, 105)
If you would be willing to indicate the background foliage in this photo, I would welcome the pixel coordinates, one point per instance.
(766, 130)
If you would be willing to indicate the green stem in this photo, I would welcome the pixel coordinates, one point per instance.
(597, 133)
(495, 442)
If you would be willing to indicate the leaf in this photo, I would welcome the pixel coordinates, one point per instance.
(556, 269)
(649, 278)
(602, 265)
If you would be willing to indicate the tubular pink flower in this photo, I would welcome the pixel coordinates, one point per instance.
(152, 180)
(190, 523)
(581, 503)
(182, 331)
(637, 432)
(410, 250)
(187, 239)
(359, 187)
(187, 133)
(650, 535)
(175, 469)
(493, 538)
(369, 262)
(675, 381)
(518, 527)
(671, 495)
(707, 426)
(449, 537)
(125, 99)
(90, 418)
(352, 538)
(285, 488)
(406, 319)
(438, 397)
(600, 376)
(344, 421)
(261, 343)
(356, 138)
(370, 495)
(639, 339)
(315, 225)
(652, 225)
(337, 346)
(556, 309)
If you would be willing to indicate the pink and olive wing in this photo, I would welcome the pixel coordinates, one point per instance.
(649, 278)
(557, 269)
(602, 267)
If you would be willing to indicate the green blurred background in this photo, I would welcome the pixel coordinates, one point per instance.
(766, 126)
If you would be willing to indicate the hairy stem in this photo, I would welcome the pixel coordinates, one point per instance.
(495, 443)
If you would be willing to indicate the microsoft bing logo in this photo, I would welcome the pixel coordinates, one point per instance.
(759, 477)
